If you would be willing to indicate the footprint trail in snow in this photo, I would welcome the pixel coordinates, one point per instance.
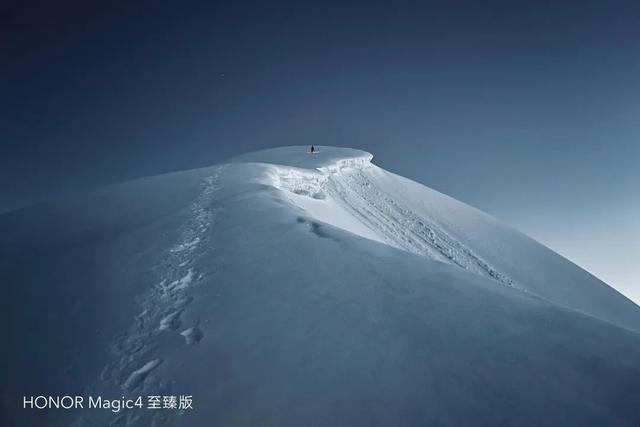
(161, 309)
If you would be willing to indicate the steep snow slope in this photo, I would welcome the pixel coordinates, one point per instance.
(303, 289)
(343, 188)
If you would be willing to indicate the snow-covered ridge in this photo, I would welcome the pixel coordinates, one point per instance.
(343, 188)
(343, 193)
(340, 164)
(324, 157)
(276, 285)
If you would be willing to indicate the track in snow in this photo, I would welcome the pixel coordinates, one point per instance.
(163, 305)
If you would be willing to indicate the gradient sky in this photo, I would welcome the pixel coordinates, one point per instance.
(528, 110)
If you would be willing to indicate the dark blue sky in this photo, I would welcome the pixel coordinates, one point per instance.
(529, 110)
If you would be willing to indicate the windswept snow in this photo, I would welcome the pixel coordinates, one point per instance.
(285, 288)
(346, 190)
(311, 191)
(343, 194)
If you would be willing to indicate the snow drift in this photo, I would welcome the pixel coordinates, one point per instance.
(287, 288)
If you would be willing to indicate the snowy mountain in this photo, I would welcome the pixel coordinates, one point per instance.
(289, 288)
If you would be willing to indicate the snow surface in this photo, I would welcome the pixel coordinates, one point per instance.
(343, 188)
(287, 288)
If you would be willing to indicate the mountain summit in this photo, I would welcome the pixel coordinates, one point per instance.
(290, 288)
